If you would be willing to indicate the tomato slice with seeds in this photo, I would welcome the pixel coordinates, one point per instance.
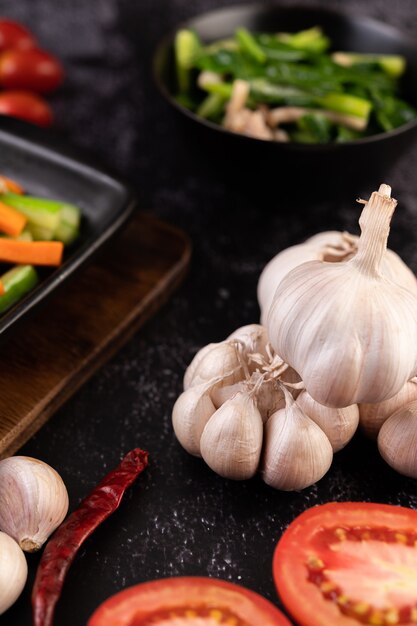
(187, 602)
(349, 564)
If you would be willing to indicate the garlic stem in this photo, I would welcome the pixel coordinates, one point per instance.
(375, 226)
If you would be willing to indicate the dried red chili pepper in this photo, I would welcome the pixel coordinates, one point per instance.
(60, 551)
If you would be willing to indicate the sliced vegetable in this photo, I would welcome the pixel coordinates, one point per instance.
(33, 69)
(27, 106)
(392, 64)
(345, 103)
(16, 283)
(67, 540)
(12, 222)
(312, 40)
(351, 563)
(249, 45)
(188, 601)
(69, 224)
(187, 48)
(317, 126)
(7, 184)
(31, 252)
(212, 107)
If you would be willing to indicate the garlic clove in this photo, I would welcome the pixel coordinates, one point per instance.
(33, 501)
(372, 416)
(231, 442)
(397, 440)
(192, 368)
(253, 336)
(13, 572)
(297, 453)
(220, 395)
(348, 331)
(339, 425)
(223, 361)
(269, 398)
(190, 414)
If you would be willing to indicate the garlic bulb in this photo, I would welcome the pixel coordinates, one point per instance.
(339, 425)
(231, 442)
(13, 572)
(222, 360)
(287, 260)
(33, 501)
(297, 453)
(397, 440)
(190, 414)
(372, 416)
(332, 246)
(350, 333)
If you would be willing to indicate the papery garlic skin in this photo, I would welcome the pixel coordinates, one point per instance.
(296, 453)
(190, 414)
(231, 442)
(33, 501)
(13, 572)
(339, 425)
(350, 333)
(253, 337)
(372, 416)
(397, 440)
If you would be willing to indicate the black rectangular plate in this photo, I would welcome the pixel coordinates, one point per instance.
(46, 167)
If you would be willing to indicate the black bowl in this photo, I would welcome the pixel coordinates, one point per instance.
(298, 169)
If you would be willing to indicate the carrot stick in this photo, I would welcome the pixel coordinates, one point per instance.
(10, 185)
(11, 221)
(2, 289)
(31, 252)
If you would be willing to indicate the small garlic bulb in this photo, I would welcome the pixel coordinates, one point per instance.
(190, 414)
(397, 440)
(231, 442)
(348, 331)
(221, 360)
(372, 416)
(13, 572)
(33, 501)
(297, 453)
(339, 425)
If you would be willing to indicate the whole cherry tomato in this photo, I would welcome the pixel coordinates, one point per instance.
(15, 36)
(33, 69)
(26, 106)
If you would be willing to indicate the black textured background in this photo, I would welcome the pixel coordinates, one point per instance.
(181, 519)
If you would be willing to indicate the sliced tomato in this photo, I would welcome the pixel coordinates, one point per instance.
(15, 36)
(187, 602)
(348, 564)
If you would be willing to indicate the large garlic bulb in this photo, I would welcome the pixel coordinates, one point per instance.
(33, 501)
(297, 453)
(332, 246)
(397, 440)
(348, 331)
(231, 442)
(13, 572)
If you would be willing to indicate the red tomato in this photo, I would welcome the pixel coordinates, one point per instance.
(14, 35)
(34, 69)
(26, 106)
(187, 602)
(342, 564)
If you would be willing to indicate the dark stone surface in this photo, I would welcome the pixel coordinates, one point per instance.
(180, 519)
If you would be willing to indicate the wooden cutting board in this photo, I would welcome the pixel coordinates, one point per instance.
(56, 351)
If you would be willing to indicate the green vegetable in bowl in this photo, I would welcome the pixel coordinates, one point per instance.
(289, 87)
